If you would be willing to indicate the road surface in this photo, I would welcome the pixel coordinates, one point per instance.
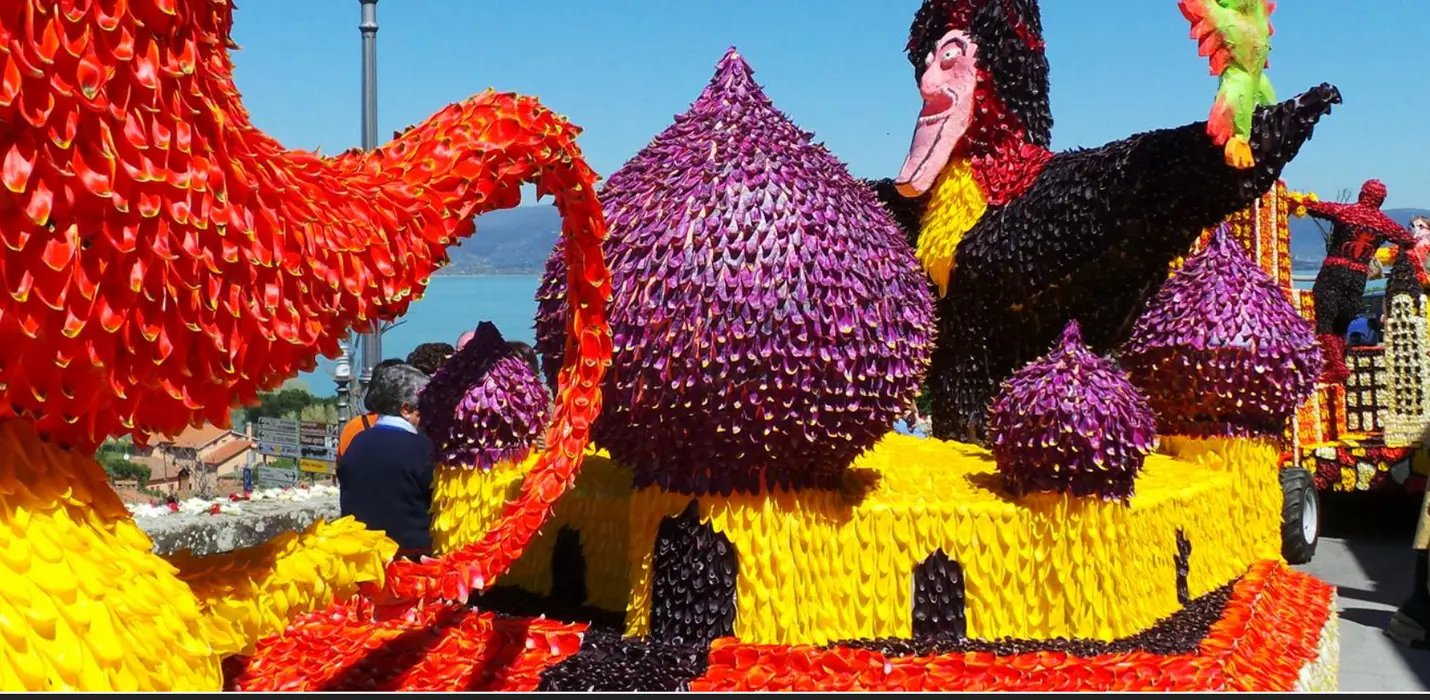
(1365, 552)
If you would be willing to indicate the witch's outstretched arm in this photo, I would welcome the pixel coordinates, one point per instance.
(1180, 173)
(1137, 203)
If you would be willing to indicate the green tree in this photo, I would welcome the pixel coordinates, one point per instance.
(286, 403)
(114, 456)
(238, 418)
(925, 401)
(319, 413)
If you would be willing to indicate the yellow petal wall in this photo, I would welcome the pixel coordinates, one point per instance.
(814, 567)
(259, 589)
(466, 502)
(1255, 504)
(86, 605)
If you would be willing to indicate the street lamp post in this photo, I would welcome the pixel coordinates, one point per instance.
(342, 376)
(372, 339)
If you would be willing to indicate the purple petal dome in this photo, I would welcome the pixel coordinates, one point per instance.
(1220, 350)
(1070, 422)
(485, 405)
(770, 322)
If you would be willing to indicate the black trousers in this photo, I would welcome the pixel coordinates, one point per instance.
(1337, 295)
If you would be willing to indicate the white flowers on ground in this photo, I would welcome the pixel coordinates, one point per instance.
(232, 505)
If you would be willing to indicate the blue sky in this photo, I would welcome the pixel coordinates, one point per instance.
(622, 68)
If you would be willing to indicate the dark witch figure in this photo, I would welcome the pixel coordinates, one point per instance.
(1357, 230)
(1021, 240)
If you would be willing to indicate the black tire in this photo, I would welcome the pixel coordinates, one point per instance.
(1300, 502)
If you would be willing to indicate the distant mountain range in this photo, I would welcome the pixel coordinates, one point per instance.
(518, 242)
(508, 242)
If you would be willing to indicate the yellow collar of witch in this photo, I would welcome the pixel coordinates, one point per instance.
(956, 203)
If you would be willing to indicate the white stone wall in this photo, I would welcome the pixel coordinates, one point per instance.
(258, 522)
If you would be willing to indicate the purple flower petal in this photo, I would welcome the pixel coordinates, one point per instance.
(1221, 350)
(799, 323)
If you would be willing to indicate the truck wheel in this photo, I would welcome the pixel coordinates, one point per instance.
(1300, 515)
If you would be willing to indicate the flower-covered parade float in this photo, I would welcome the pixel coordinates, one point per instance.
(750, 523)
(745, 519)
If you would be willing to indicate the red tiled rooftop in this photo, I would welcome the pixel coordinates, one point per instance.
(192, 438)
(227, 452)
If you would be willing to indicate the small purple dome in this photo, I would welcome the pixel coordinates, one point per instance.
(770, 322)
(1220, 350)
(485, 405)
(1070, 422)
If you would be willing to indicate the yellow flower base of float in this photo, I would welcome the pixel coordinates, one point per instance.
(466, 502)
(815, 567)
(86, 605)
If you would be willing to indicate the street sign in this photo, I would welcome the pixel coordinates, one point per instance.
(279, 424)
(314, 434)
(326, 454)
(276, 476)
(276, 450)
(278, 431)
(315, 466)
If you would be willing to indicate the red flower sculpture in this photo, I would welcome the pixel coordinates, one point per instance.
(164, 259)
(1357, 230)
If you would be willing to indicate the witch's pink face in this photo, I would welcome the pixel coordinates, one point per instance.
(948, 84)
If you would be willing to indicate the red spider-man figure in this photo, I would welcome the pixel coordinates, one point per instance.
(1357, 230)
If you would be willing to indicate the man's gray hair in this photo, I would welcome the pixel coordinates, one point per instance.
(392, 387)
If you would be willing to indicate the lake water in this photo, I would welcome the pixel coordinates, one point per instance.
(456, 304)
(451, 306)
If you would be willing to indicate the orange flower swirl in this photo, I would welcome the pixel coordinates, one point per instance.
(164, 259)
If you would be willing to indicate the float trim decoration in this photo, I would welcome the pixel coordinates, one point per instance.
(1276, 631)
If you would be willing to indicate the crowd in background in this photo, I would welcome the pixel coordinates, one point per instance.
(385, 461)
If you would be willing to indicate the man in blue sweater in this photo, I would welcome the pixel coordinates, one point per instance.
(385, 476)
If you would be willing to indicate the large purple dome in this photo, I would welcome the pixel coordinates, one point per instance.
(768, 316)
(1221, 350)
(485, 405)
